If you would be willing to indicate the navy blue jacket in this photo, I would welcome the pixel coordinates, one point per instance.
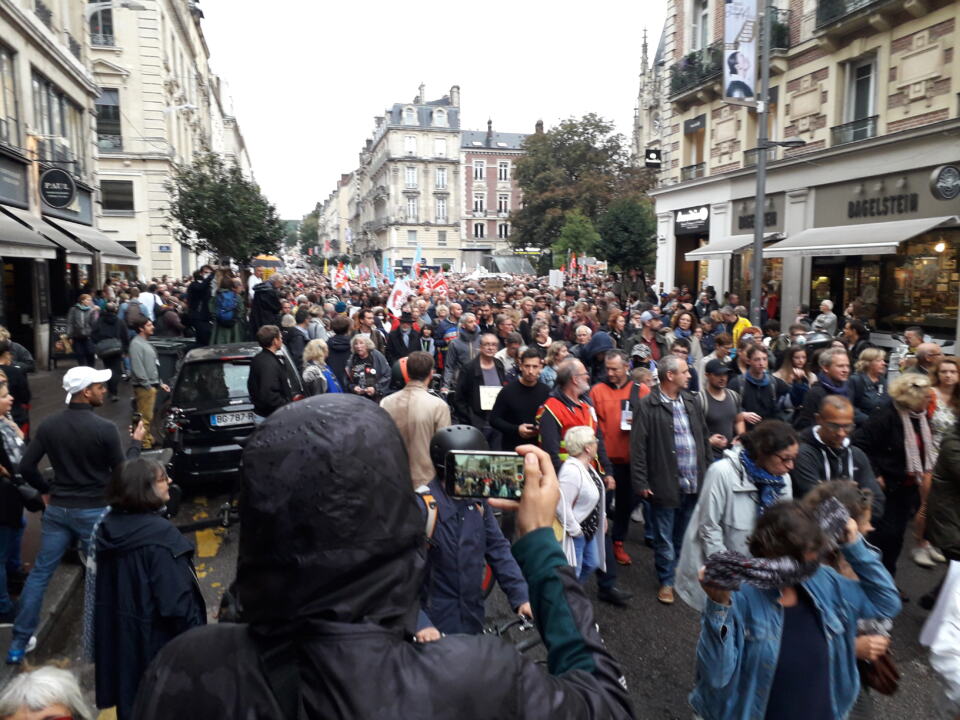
(466, 535)
(147, 594)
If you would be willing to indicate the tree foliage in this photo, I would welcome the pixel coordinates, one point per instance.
(217, 210)
(582, 165)
(310, 231)
(576, 236)
(628, 234)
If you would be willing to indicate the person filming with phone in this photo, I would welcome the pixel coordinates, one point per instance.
(330, 589)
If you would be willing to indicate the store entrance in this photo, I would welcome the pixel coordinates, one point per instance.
(687, 273)
(17, 310)
(827, 283)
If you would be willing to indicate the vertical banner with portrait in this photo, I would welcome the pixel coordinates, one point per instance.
(740, 34)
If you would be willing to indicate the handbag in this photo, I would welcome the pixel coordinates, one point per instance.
(108, 347)
(881, 674)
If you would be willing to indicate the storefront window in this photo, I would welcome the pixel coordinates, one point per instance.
(920, 285)
(741, 281)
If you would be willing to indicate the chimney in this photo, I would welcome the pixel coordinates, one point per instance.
(455, 96)
(539, 127)
(489, 139)
(423, 93)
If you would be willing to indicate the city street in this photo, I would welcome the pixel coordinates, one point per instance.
(655, 643)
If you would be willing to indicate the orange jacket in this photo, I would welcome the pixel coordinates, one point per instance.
(608, 402)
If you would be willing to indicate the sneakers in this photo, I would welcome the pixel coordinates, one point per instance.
(15, 656)
(620, 554)
(665, 595)
(637, 514)
(921, 556)
(935, 554)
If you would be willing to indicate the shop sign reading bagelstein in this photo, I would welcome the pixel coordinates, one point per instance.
(692, 221)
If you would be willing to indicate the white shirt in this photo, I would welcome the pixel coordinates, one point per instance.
(148, 302)
(252, 282)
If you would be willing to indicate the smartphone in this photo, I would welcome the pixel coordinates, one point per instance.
(477, 474)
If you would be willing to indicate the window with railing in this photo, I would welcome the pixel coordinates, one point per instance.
(779, 29)
(43, 12)
(441, 209)
(830, 11)
(9, 123)
(412, 206)
(109, 133)
(503, 231)
(60, 122)
(503, 204)
(441, 179)
(696, 69)
(691, 172)
(479, 230)
(410, 177)
(861, 129)
(750, 156)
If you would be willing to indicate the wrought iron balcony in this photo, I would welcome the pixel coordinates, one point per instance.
(779, 29)
(750, 156)
(830, 11)
(109, 143)
(75, 47)
(861, 129)
(693, 171)
(696, 69)
(102, 39)
(45, 14)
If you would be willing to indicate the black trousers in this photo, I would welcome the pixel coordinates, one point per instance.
(115, 365)
(626, 501)
(901, 505)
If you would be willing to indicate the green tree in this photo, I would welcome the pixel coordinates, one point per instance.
(628, 231)
(217, 210)
(576, 236)
(310, 231)
(292, 230)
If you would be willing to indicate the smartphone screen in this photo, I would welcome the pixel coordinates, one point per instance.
(471, 474)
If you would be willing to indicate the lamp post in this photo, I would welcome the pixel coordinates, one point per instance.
(763, 144)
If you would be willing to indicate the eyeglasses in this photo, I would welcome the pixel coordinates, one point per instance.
(837, 427)
(786, 459)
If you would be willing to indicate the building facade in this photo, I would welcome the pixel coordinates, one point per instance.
(866, 211)
(490, 191)
(159, 105)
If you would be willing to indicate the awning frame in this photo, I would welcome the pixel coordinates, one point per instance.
(75, 252)
(726, 247)
(891, 235)
(111, 252)
(17, 240)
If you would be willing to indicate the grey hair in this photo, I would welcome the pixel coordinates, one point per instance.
(668, 364)
(42, 688)
(566, 371)
(365, 339)
(828, 303)
(467, 316)
(829, 355)
(577, 438)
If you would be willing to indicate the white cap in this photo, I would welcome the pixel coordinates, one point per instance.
(82, 377)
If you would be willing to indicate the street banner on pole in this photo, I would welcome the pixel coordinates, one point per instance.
(740, 51)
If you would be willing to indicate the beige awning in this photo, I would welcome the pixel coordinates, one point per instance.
(726, 247)
(75, 252)
(868, 239)
(111, 251)
(16, 240)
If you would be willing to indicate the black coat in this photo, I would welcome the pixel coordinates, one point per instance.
(11, 506)
(881, 438)
(295, 342)
(943, 505)
(146, 594)
(395, 347)
(653, 454)
(264, 307)
(268, 383)
(108, 325)
(467, 398)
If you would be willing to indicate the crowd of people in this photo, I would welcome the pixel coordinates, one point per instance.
(775, 476)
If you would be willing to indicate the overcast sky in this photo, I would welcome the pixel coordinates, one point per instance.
(307, 78)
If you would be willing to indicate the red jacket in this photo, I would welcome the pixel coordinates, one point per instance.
(608, 402)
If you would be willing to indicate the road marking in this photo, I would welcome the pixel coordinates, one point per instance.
(208, 543)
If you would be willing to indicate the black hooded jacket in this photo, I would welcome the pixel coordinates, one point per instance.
(147, 594)
(331, 560)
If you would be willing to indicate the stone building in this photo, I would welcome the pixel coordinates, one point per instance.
(867, 209)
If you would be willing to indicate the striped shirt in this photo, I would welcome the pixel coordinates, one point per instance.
(686, 445)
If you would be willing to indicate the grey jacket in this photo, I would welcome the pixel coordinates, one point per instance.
(461, 350)
(144, 365)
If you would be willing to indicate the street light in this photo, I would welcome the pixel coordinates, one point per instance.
(763, 144)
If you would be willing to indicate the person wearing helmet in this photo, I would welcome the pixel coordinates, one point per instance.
(466, 534)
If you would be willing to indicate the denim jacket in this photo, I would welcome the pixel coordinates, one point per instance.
(740, 643)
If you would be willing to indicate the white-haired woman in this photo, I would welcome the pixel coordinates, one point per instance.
(582, 506)
(318, 378)
(367, 371)
(46, 692)
(826, 321)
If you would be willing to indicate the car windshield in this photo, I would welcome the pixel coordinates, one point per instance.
(216, 381)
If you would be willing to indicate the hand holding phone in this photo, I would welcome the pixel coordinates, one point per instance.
(473, 474)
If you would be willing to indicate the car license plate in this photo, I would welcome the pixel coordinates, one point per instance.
(226, 419)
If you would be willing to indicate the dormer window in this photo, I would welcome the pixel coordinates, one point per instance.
(409, 116)
(440, 118)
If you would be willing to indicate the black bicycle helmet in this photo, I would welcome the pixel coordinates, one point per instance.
(454, 437)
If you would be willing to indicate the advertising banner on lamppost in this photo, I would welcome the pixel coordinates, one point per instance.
(741, 30)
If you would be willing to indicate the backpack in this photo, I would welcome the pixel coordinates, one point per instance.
(133, 312)
(226, 307)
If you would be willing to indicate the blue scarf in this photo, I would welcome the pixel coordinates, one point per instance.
(770, 487)
(762, 382)
(834, 389)
(679, 332)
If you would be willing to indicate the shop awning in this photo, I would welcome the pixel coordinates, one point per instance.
(76, 253)
(19, 241)
(111, 251)
(867, 239)
(724, 248)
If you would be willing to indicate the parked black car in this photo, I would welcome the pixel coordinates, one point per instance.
(209, 413)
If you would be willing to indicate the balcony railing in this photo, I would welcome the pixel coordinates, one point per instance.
(109, 143)
(696, 69)
(693, 171)
(779, 29)
(830, 11)
(43, 12)
(74, 46)
(750, 156)
(861, 129)
(102, 39)
(55, 153)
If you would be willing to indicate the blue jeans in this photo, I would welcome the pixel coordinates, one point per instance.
(12, 555)
(669, 525)
(60, 528)
(588, 555)
(8, 539)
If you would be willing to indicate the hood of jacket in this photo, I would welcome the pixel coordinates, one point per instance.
(122, 532)
(599, 342)
(266, 285)
(339, 344)
(331, 529)
(467, 336)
